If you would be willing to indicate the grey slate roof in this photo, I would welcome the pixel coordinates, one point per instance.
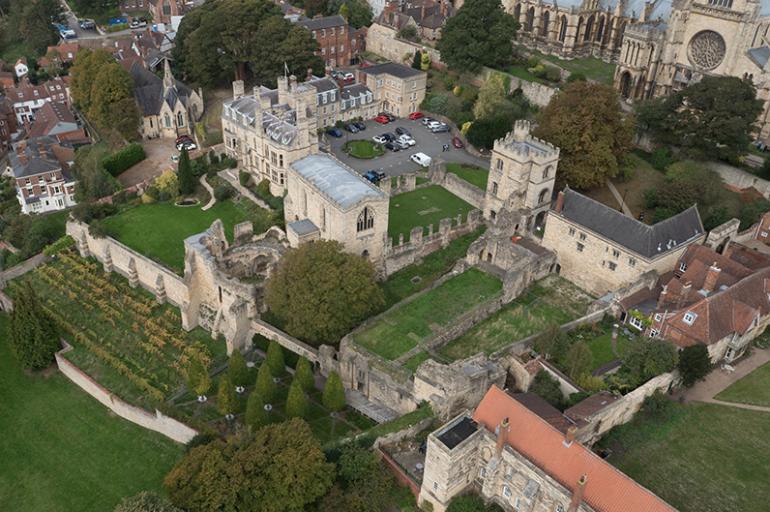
(148, 90)
(339, 183)
(325, 22)
(39, 158)
(303, 227)
(391, 68)
(643, 239)
(759, 55)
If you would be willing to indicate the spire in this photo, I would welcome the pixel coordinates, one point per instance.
(168, 78)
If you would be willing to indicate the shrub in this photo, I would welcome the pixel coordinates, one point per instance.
(58, 246)
(213, 158)
(244, 177)
(694, 364)
(237, 369)
(184, 174)
(265, 386)
(304, 374)
(296, 401)
(334, 395)
(547, 388)
(146, 502)
(86, 212)
(576, 77)
(34, 335)
(167, 185)
(201, 439)
(275, 359)
(121, 160)
(256, 416)
(657, 407)
(223, 192)
(661, 158)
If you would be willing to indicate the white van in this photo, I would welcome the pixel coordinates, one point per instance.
(420, 159)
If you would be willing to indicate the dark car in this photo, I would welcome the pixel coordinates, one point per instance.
(456, 142)
(392, 146)
(403, 131)
(352, 128)
(334, 132)
(183, 138)
(374, 176)
(360, 125)
(389, 136)
(440, 129)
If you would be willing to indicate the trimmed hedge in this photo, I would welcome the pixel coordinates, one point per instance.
(121, 160)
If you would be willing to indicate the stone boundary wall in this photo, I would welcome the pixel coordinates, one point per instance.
(468, 192)
(622, 411)
(537, 94)
(740, 179)
(286, 341)
(384, 41)
(22, 268)
(157, 422)
(137, 268)
(407, 433)
(398, 472)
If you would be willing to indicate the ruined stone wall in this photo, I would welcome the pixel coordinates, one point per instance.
(383, 41)
(286, 341)
(469, 193)
(537, 94)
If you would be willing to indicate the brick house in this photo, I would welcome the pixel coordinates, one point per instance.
(40, 167)
(60, 55)
(334, 37)
(57, 120)
(28, 99)
(399, 89)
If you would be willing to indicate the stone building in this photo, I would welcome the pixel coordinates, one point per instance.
(398, 89)
(516, 459)
(579, 28)
(334, 38)
(40, 169)
(698, 38)
(329, 201)
(269, 129)
(168, 107)
(426, 16)
(600, 249)
(521, 176)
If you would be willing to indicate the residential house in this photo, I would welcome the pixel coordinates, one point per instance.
(721, 301)
(426, 16)
(397, 88)
(333, 35)
(601, 250)
(6, 80)
(8, 124)
(55, 119)
(40, 167)
(341, 102)
(60, 55)
(520, 461)
(168, 107)
(28, 99)
(163, 10)
(21, 68)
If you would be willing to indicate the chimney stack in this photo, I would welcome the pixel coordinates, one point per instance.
(577, 494)
(712, 275)
(559, 202)
(238, 89)
(502, 435)
(569, 436)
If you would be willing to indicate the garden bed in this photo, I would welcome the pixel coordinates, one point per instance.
(363, 149)
(423, 207)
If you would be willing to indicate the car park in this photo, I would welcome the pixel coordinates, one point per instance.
(382, 119)
(457, 143)
(416, 115)
(374, 176)
(421, 159)
(403, 131)
(334, 132)
(392, 146)
(352, 128)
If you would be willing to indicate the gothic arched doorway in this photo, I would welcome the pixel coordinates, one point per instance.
(625, 84)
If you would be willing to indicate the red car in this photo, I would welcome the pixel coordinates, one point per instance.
(456, 142)
(416, 115)
(382, 119)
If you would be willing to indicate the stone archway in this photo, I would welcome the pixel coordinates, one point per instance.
(625, 84)
(540, 219)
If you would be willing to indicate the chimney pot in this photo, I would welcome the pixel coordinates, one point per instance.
(502, 434)
(559, 202)
(712, 276)
(569, 437)
(577, 494)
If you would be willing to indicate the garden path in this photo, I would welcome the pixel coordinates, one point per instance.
(210, 190)
(619, 199)
(230, 175)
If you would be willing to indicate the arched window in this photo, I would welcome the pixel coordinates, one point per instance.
(547, 172)
(180, 119)
(563, 29)
(365, 220)
(530, 19)
(167, 119)
(600, 30)
(517, 12)
(543, 196)
(544, 24)
(577, 31)
(589, 28)
(494, 187)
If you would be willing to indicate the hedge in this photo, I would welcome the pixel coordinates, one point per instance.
(121, 160)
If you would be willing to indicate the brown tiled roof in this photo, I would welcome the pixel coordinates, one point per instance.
(585, 409)
(749, 258)
(546, 411)
(607, 489)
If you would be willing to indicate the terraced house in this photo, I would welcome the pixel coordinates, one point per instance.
(397, 88)
(40, 167)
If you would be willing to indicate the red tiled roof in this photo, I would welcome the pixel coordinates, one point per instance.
(607, 488)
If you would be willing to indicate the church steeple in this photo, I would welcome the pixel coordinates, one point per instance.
(168, 78)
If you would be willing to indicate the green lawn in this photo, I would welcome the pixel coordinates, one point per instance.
(403, 328)
(601, 349)
(754, 388)
(419, 276)
(474, 175)
(521, 71)
(593, 68)
(705, 458)
(423, 207)
(62, 451)
(551, 301)
(364, 149)
(158, 230)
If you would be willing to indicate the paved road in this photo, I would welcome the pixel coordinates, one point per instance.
(394, 164)
(72, 21)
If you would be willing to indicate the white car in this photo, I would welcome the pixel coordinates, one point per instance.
(406, 139)
(435, 124)
(420, 159)
(348, 76)
(379, 139)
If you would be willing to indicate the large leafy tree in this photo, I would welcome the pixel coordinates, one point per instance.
(333, 396)
(480, 34)
(585, 121)
(228, 38)
(33, 333)
(31, 22)
(113, 107)
(357, 12)
(146, 502)
(321, 292)
(185, 174)
(648, 359)
(296, 401)
(694, 364)
(280, 468)
(83, 75)
(492, 95)
(712, 118)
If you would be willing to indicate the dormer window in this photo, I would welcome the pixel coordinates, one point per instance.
(682, 266)
(689, 317)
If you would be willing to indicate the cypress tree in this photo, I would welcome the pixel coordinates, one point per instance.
(296, 402)
(265, 386)
(185, 175)
(304, 374)
(417, 61)
(227, 401)
(275, 359)
(34, 335)
(334, 394)
(256, 416)
(239, 372)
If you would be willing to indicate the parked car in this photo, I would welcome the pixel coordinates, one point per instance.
(420, 159)
(188, 145)
(427, 120)
(403, 131)
(382, 119)
(392, 146)
(352, 128)
(375, 176)
(175, 158)
(334, 132)
(406, 139)
(390, 117)
(439, 128)
(456, 142)
(348, 76)
(380, 139)
(183, 138)
(87, 24)
(138, 23)
(401, 144)
(360, 125)
(414, 116)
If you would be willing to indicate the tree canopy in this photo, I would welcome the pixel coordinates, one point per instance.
(146, 502)
(480, 34)
(31, 22)
(227, 38)
(709, 119)
(694, 364)
(585, 121)
(321, 292)
(279, 468)
(33, 334)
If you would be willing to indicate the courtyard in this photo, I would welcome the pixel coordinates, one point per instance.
(404, 327)
(548, 302)
(61, 450)
(158, 230)
(423, 207)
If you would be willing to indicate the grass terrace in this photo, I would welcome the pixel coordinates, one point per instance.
(476, 176)
(593, 68)
(363, 148)
(752, 389)
(423, 207)
(158, 230)
(550, 301)
(121, 336)
(404, 327)
(703, 458)
(61, 450)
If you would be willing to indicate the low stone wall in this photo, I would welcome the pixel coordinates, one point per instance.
(407, 433)
(459, 187)
(623, 410)
(384, 41)
(157, 422)
(739, 178)
(537, 94)
(22, 268)
(286, 341)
